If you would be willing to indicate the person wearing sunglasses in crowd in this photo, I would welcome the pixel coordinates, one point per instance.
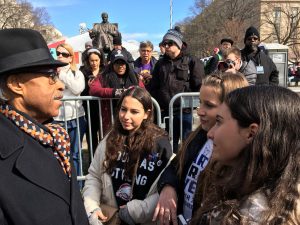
(266, 70)
(144, 64)
(71, 110)
(177, 183)
(253, 177)
(233, 63)
(38, 180)
(174, 73)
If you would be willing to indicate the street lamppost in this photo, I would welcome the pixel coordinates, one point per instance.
(171, 14)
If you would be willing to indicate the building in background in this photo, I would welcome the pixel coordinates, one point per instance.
(280, 23)
(277, 20)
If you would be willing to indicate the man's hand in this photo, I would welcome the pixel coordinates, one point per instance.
(166, 207)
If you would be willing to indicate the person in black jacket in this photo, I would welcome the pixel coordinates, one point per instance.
(266, 70)
(38, 177)
(174, 73)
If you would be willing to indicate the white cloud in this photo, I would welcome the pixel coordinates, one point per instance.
(130, 36)
(142, 36)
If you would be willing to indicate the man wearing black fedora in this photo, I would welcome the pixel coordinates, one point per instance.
(38, 182)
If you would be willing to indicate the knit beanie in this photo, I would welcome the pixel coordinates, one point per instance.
(117, 40)
(175, 36)
(250, 32)
(88, 44)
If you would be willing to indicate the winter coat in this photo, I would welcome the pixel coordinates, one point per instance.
(74, 85)
(138, 64)
(98, 189)
(170, 177)
(252, 208)
(270, 76)
(34, 189)
(173, 76)
(249, 71)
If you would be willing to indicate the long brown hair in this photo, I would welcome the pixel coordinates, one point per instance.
(269, 164)
(135, 143)
(222, 83)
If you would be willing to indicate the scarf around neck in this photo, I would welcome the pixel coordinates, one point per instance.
(49, 134)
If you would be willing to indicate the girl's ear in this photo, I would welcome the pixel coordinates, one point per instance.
(147, 114)
(252, 131)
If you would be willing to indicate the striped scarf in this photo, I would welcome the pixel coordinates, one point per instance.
(55, 136)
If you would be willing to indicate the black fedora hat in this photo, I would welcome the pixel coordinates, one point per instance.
(22, 49)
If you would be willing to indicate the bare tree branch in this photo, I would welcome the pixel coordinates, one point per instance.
(216, 20)
(22, 14)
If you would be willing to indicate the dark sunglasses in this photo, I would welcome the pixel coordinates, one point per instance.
(252, 38)
(169, 43)
(51, 73)
(65, 55)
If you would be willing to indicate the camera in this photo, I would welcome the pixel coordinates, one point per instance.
(227, 64)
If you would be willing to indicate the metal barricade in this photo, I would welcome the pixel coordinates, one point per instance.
(187, 100)
(88, 112)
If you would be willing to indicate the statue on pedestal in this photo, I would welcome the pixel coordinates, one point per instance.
(102, 34)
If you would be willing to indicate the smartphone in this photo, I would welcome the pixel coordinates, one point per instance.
(181, 220)
(91, 77)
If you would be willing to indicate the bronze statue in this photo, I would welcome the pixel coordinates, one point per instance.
(102, 34)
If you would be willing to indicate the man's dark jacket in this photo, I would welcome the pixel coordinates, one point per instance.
(270, 76)
(138, 64)
(34, 189)
(173, 76)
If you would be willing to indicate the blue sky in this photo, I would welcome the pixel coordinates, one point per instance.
(138, 19)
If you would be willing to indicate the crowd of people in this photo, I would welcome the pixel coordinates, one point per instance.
(241, 165)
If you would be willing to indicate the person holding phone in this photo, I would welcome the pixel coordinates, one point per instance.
(92, 69)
